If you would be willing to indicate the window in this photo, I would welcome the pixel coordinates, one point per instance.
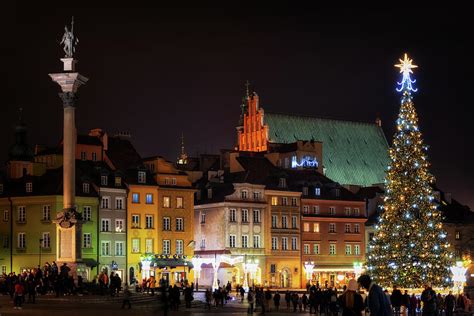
(245, 216)
(294, 201)
(166, 201)
(85, 188)
(294, 243)
(148, 245)
(86, 240)
(135, 198)
(180, 224)
(332, 249)
(141, 177)
(119, 225)
(294, 222)
(357, 228)
(316, 209)
(282, 183)
(284, 200)
(29, 187)
(166, 223)
(256, 241)
(105, 248)
(83, 155)
(257, 196)
(316, 227)
(203, 243)
(274, 200)
(256, 216)
(348, 228)
(6, 215)
(287, 163)
(135, 245)
(347, 210)
(148, 221)
(203, 218)
(305, 191)
(46, 213)
(149, 198)
(274, 243)
(316, 249)
(357, 250)
(179, 202)
(105, 225)
(173, 181)
(274, 221)
(166, 247)
(232, 215)
(306, 249)
(457, 235)
(179, 246)
(284, 243)
(46, 240)
(105, 202)
(232, 241)
(244, 194)
(4, 269)
(306, 227)
(332, 228)
(356, 212)
(167, 180)
(305, 209)
(245, 241)
(21, 214)
(284, 222)
(119, 203)
(273, 268)
(332, 210)
(135, 221)
(94, 158)
(337, 192)
(103, 180)
(87, 213)
(21, 240)
(119, 247)
(348, 249)
(317, 191)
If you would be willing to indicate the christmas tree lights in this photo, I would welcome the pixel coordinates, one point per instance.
(409, 247)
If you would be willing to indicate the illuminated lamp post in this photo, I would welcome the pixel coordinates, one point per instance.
(459, 275)
(357, 269)
(308, 267)
(251, 267)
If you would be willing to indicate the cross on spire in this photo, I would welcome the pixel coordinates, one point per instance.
(247, 85)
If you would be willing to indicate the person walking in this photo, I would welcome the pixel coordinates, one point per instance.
(413, 305)
(377, 300)
(396, 300)
(126, 297)
(449, 303)
(18, 294)
(251, 300)
(242, 294)
(276, 301)
(351, 301)
(208, 298)
(428, 297)
(287, 299)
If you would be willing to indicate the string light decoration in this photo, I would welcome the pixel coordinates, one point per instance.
(409, 247)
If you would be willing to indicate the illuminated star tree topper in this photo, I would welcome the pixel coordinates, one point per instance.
(406, 65)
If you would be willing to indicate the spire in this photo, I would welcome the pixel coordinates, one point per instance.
(183, 157)
(20, 151)
(247, 85)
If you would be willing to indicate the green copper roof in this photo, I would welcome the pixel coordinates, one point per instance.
(353, 153)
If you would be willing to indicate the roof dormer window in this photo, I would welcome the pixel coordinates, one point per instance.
(317, 191)
(337, 192)
(305, 190)
(282, 183)
(103, 180)
(209, 193)
(29, 187)
(85, 187)
(141, 177)
(118, 181)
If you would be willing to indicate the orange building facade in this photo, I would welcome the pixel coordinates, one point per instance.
(252, 134)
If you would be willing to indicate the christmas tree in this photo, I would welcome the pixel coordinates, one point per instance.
(409, 247)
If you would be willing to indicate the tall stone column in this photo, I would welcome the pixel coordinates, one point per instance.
(68, 227)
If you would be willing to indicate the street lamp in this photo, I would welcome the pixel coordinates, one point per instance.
(357, 269)
(459, 275)
(40, 246)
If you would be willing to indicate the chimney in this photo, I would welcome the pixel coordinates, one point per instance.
(378, 121)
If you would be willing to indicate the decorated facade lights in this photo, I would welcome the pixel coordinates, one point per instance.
(459, 276)
(308, 267)
(358, 269)
(250, 267)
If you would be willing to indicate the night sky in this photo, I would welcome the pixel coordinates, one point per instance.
(157, 72)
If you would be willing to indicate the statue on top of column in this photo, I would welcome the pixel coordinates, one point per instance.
(69, 40)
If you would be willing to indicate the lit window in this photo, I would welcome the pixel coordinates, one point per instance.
(457, 235)
(148, 245)
(294, 201)
(203, 243)
(245, 240)
(245, 216)
(141, 177)
(166, 247)
(348, 249)
(305, 209)
(348, 228)
(257, 196)
(316, 249)
(274, 200)
(316, 209)
(46, 240)
(118, 181)
(21, 241)
(357, 228)
(135, 221)
(105, 202)
(256, 216)
(29, 187)
(294, 222)
(332, 249)
(284, 243)
(166, 201)
(135, 198)
(294, 243)
(274, 243)
(357, 250)
(274, 221)
(119, 226)
(105, 225)
(317, 191)
(148, 221)
(86, 240)
(256, 241)
(149, 198)
(179, 246)
(306, 249)
(119, 203)
(316, 227)
(85, 187)
(347, 210)
(119, 248)
(332, 210)
(306, 227)
(135, 245)
(105, 247)
(46, 213)
(179, 202)
(21, 214)
(332, 227)
(244, 194)
(284, 222)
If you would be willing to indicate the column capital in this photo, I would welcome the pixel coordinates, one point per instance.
(68, 98)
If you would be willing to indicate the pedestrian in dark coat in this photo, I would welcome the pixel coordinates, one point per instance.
(276, 301)
(449, 303)
(351, 301)
(428, 297)
(377, 300)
